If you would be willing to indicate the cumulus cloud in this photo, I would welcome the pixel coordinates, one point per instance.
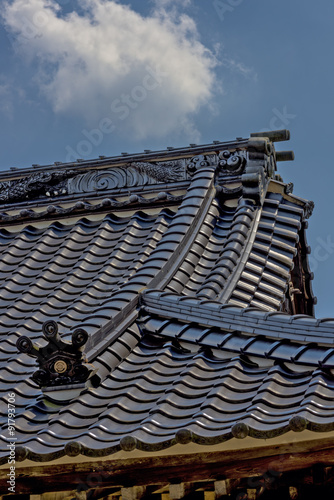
(150, 75)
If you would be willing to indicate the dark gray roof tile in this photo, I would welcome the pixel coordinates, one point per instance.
(187, 362)
(170, 390)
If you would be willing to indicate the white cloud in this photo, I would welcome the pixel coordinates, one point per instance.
(100, 62)
(239, 67)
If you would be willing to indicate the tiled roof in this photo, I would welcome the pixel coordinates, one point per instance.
(245, 256)
(251, 320)
(67, 272)
(187, 289)
(185, 382)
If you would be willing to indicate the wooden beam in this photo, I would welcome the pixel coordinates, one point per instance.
(159, 489)
(225, 487)
(134, 493)
(178, 491)
(58, 495)
(158, 470)
(209, 495)
(82, 495)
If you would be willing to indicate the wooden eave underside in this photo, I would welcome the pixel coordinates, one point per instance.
(213, 466)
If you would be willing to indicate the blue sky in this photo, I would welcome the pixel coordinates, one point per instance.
(99, 77)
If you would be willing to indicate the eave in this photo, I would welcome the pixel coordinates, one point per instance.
(214, 465)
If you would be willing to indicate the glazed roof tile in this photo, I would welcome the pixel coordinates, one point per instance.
(178, 266)
(161, 388)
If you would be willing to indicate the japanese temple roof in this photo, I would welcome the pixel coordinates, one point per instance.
(188, 270)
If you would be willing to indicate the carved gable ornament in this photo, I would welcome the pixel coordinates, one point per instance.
(60, 183)
(134, 174)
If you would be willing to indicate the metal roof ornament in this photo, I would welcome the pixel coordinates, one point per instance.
(60, 363)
